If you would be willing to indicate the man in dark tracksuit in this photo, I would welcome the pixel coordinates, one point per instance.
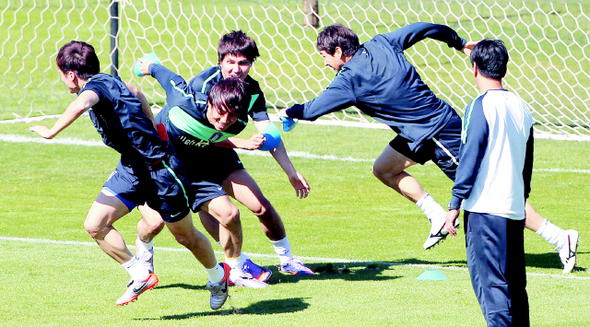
(378, 79)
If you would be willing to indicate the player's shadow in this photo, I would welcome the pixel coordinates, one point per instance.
(266, 307)
(417, 262)
(182, 285)
(549, 260)
(345, 271)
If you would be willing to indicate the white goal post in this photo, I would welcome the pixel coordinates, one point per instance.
(547, 40)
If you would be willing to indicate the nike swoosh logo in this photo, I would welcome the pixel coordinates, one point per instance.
(141, 287)
(224, 288)
(175, 215)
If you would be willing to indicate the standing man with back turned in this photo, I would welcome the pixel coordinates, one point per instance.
(493, 183)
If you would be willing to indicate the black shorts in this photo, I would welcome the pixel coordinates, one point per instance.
(207, 168)
(442, 149)
(161, 187)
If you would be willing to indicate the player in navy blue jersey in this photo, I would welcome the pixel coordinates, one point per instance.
(236, 54)
(493, 182)
(148, 171)
(194, 127)
(378, 79)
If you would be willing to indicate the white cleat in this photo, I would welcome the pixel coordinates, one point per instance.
(238, 277)
(438, 232)
(136, 287)
(567, 253)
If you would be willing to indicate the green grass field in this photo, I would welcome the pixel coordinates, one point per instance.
(52, 274)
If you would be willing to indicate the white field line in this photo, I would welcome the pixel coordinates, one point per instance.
(273, 256)
(293, 154)
(325, 122)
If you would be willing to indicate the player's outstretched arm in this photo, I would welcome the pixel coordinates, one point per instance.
(253, 143)
(83, 102)
(280, 154)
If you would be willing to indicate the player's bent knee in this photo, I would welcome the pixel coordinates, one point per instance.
(185, 239)
(95, 231)
(230, 217)
(380, 173)
(262, 208)
(386, 173)
(154, 227)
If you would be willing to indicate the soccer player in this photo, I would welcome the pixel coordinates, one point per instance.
(493, 183)
(236, 54)
(378, 79)
(148, 171)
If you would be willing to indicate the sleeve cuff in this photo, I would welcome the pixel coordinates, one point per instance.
(296, 111)
(455, 203)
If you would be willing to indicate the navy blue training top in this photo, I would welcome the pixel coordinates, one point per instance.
(120, 120)
(204, 81)
(383, 84)
(185, 113)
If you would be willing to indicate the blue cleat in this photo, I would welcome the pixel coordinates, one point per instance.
(295, 267)
(250, 275)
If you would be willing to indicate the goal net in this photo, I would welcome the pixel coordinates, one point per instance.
(547, 40)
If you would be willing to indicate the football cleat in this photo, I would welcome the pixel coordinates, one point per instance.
(295, 267)
(250, 275)
(438, 232)
(257, 272)
(136, 287)
(146, 257)
(567, 254)
(219, 291)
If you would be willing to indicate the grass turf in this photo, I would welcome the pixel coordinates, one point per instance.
(47, 189)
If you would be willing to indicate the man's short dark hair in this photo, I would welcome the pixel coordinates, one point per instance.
(237, 43)
(491, 58)
(229, 95)
(338, 36)
(79, 57)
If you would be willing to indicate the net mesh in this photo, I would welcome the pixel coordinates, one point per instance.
(547, 40)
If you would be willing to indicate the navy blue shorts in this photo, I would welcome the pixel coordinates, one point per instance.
(207, 168)
(442, 149)
(160, 187)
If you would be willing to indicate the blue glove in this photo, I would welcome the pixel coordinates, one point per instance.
(288, 124)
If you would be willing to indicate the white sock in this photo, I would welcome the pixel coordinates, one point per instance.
(431, 209)
(283, 249)
(136, 270)
(243, 258)
(216, 273)
(552, 234)
(146, 246)
(233, 263)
